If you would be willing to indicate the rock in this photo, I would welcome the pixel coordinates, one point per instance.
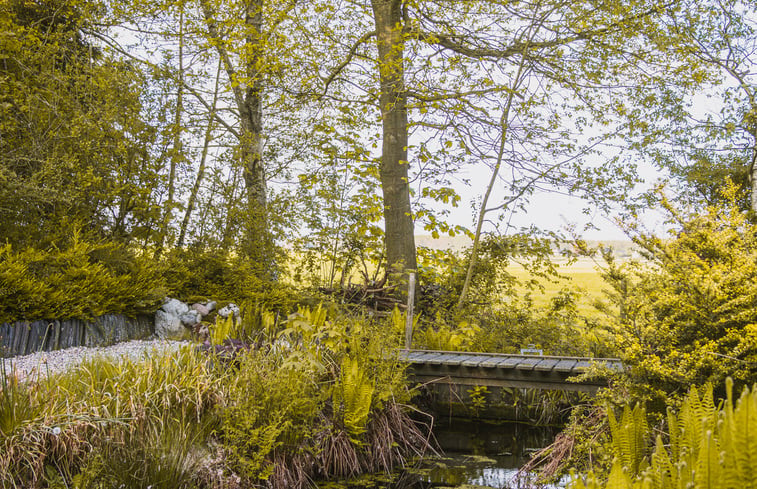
(202, 309)
(228, 310)
(174, 307)
(211, 305)
(169, 326)
(190, 318)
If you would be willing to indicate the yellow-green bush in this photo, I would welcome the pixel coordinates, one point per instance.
(197, 273)
(686, 315)
(80, 281)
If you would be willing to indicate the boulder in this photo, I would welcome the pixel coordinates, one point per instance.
(190, 318)
(211, 305)
(228, 310)
(174, 307)
(169, 326)
(201, 308)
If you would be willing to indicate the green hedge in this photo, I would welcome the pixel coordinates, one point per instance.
(82, 281)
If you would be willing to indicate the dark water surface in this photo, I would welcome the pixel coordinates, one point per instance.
(475, 455)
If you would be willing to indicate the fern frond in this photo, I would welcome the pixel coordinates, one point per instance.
(356, 394)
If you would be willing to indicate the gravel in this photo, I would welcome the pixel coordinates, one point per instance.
(60, 360)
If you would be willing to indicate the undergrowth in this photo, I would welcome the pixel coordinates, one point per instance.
(704, 445)
(319, 398)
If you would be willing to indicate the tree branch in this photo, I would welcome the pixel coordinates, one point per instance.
(350, 55)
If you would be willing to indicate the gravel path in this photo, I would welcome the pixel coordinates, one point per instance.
(60, 360)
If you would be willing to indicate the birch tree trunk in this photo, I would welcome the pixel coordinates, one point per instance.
(247, 87)
(257, 243)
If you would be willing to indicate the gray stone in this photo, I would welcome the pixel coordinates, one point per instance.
(168, 326)
(211, 305)
(190, 318)
(228, 310)
(203, 310)
(174, 307)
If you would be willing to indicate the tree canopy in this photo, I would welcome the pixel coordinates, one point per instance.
(341, 128)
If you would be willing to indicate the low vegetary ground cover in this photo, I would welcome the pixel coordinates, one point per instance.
(317, 397)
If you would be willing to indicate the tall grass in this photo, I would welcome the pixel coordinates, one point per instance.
(187, 419)
(59, 427)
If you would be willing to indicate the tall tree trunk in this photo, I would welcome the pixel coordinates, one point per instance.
(257, 243)
(398, 218)
(176, 150)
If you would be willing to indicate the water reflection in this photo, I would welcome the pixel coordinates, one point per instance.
(476, 455)
(483, 454)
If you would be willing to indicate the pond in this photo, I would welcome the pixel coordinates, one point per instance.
(475, 455)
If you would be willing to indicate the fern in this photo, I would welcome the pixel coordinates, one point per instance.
(221, 330)
(628, 437)
(354, 393)
(710, 447)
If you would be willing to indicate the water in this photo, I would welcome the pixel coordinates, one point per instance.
(475, 455)
(483, 454)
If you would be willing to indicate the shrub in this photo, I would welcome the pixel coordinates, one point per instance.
(323, 401)
(686, 315)
(198, 273)
(80, 281)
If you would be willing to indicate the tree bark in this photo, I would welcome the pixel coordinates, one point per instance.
(247, 88)
(393, 171)
(177, 151)
(257, 243)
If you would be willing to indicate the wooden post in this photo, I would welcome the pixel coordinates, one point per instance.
(410, 305)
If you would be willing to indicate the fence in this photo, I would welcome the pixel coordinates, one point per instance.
(24, 337)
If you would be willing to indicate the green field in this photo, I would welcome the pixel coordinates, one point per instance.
(582, 276)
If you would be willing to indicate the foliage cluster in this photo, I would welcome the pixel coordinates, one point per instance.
(81, 280)
(322, 400)
(685, 315)
(197, 273)
(502, 315)
(705, 445)
(74, 148)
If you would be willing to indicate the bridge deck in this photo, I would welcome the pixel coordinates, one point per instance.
(503, 370)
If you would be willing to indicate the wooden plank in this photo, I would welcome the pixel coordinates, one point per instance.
(546, 365)
(456, 359)
(435, 359)
(412, 356)
(565, 365)
(424, 357)
(505, 382)
(527, 363)
(492, 362)
(476, 361)
(509, 362)
(582, 365)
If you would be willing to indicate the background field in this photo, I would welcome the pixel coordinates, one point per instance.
(583, 276)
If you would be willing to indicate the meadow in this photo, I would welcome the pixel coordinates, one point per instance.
(582, 277)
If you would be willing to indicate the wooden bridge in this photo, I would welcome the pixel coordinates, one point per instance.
(503, 370)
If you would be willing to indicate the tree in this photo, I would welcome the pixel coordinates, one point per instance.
(398, 218)
(74, 151)
(701, 113)
(442, 68)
